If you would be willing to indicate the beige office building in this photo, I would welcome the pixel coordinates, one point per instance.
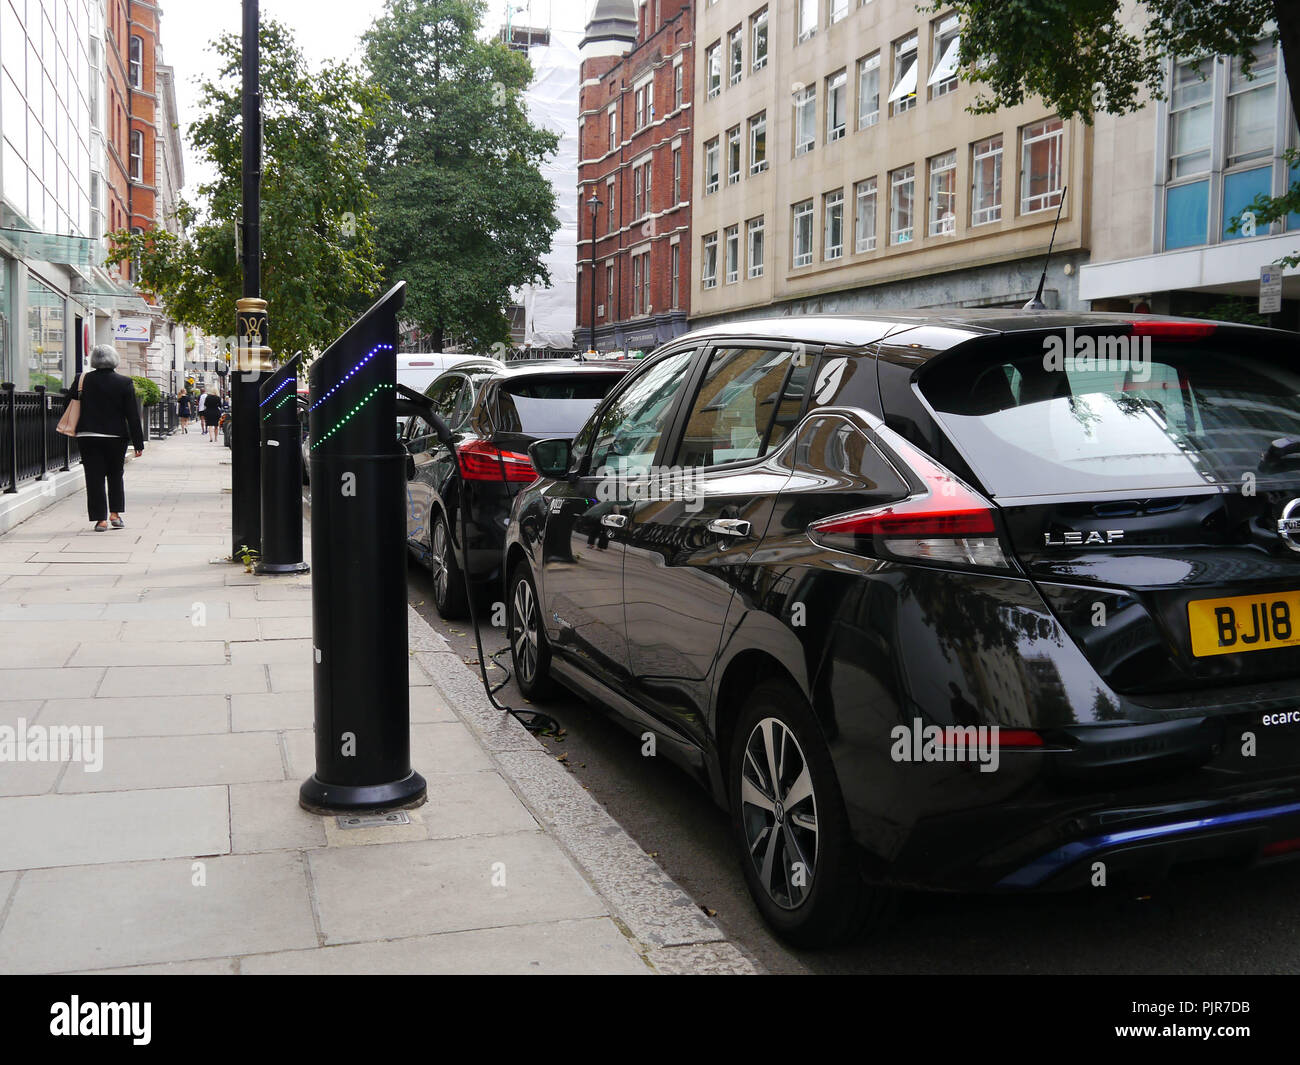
(838, 170)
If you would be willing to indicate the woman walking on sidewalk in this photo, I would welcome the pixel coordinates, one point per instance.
(212, 414)
(183, 410)
(110, 414)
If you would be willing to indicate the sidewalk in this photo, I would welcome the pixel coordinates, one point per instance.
(187, 852)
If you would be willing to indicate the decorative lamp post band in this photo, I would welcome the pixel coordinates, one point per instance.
(251, 334)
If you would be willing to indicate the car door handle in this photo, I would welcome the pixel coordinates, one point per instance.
(614, 521)
(729, 527)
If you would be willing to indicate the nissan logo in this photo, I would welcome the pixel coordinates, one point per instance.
(1289, 526)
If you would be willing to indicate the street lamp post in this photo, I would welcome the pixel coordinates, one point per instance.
(595, 204)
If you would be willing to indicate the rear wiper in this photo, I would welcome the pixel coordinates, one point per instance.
(1280, 451)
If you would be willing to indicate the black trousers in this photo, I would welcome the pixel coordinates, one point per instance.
(103, 459)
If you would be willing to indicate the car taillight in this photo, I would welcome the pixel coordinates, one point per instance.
(1173, 330)
(948, 524)
(481, 461)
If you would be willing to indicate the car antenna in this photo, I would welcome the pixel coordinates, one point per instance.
(1037, 304)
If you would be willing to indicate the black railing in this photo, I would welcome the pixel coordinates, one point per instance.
(30, 446)
(161, 419)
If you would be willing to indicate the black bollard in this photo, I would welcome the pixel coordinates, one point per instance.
(358, 556)
(281, 473)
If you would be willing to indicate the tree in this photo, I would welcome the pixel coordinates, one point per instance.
(1081, 58)
(319, 265)
(463, 212)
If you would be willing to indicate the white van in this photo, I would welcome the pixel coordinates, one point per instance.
(417, 372)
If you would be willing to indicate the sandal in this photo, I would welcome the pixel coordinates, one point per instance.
(118, 523)
(101, 526)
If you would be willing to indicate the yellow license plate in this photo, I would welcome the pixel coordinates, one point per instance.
(1244, 623)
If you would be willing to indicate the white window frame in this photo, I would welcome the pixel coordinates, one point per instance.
(801, 214)
(1047, 129)
(679, 80)
(713, 69)
(710, 244)
(832, 208)
(904, 176)
(135, 62)
(837, 11)
(945, 37)
(942, 169)
(755, 228)
(991, 149)
(805, 98)
(736, 55)
(837, 104)
(869, 65)
(1183, 103)
(712, 155)
(865, 192)
(677, 174)
(735, 154)
(758, 24)
(757, 124)
(805, 20)
(612, 112)
(136, 138)
(731, 254)
(675, 273)
(902, 91)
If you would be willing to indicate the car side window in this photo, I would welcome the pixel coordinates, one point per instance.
(736, 403)
(633, 424)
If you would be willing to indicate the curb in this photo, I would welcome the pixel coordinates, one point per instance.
(665, 925)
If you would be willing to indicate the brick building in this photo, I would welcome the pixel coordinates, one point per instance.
(635, 158)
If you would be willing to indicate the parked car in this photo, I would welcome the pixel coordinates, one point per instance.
(932, 601)
(495, 410)
(418, 371)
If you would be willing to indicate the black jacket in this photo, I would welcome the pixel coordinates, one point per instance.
(108, 405)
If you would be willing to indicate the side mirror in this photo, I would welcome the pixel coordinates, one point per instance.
(551, 458)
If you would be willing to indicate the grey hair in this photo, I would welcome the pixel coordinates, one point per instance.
(104, 357)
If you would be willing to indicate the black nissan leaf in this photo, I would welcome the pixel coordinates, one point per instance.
(972, 601)
(495, 410)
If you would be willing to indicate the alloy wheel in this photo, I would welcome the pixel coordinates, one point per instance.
(779, 813)
(525, 633)
(438, 567)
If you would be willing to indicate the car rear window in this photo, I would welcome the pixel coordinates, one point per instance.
(551, 404)
(1168, 414)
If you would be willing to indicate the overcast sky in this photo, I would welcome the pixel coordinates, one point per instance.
(324, 30)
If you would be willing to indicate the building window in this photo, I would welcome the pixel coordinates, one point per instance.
(711, 162)
(869, 91)
(636, 284)
(709, 261)
(676, 258)
(636, 193)
(902, 95)
(713, 64)
(1042, 146)
(1252, 106)
(802, 233)
(732, 245)
(613, 129)
(833, 235)
(677, 175)
(609, 293)
(735, 54)
(135, 64)
(649, 170)
(839, 9)
(754, 233)
(758, 40)
(837, 106)
(986, 181)
(943, 195)
(1191, 121)
(610, 197)
(677, 86)
(946, 44)
(640, 107)
(805, 19)
(865, 226)
(733, 156)
(646, 306)
(137, 155)
(902, 192)
(758, 143)
(46, 354)
(805, 120)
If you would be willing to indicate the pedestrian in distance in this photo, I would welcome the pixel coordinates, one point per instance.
(110, 416)
(183, 410)
(212, 414)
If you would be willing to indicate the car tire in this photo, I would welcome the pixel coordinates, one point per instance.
(829, 903)
(530, 655)
(449, 597)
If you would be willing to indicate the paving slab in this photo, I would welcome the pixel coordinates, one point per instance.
(410, 889)
(272, 712)
(140, 913)
(160, 715)
(266, 817)
(49, 683)
(285, 628)
(165, 680)
(593, 946)
(139, 762)
(117, 653)
(59, 830)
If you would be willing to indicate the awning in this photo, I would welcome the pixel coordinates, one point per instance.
(947, 67)
(906, 84)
